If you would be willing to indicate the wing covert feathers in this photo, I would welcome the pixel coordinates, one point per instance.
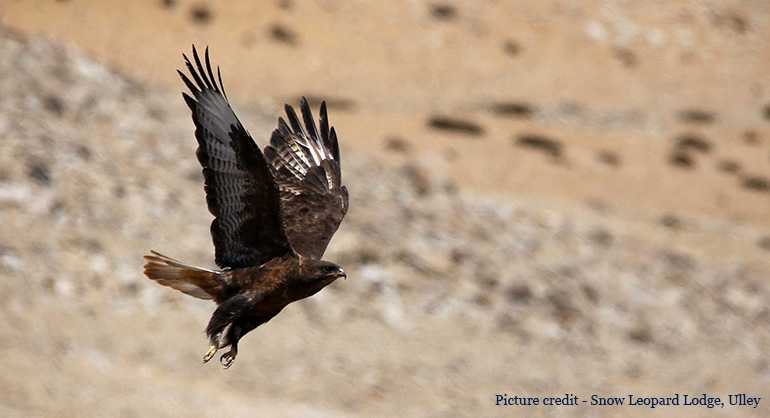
(305, 164)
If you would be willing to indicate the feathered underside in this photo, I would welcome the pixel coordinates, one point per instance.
(240, 191)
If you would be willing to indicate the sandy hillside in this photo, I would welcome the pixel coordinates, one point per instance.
(546, 198)
(615, 84)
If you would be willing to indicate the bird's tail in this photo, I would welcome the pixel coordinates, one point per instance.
(194, 281)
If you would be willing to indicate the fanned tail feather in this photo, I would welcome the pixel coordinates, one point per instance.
(194, 281)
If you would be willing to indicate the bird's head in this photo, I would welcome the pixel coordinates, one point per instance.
(319, 270)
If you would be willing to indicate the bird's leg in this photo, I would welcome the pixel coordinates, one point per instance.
(226, 327)
(209, 354)
(216, 342)
(233, 335)
(227, 358)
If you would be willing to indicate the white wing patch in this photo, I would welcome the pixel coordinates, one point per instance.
(302, 154)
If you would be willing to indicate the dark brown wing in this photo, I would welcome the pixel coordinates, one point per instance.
(240, 191)
(306, 166)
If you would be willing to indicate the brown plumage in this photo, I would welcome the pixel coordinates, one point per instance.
(274, 213)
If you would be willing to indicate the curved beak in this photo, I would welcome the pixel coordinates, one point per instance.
(341, 273)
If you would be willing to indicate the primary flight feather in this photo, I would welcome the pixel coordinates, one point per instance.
(275, 211)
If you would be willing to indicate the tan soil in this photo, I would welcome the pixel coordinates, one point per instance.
(476, 265)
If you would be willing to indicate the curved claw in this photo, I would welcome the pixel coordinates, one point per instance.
(209, 354)
(227, 359)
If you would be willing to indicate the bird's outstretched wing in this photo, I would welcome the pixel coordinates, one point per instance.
(305, 163)
(240, 191)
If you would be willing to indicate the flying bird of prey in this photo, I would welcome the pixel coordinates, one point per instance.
(274, 209)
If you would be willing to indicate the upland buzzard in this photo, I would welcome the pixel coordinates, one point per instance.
(274, 209)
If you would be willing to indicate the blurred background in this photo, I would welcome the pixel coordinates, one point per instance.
(546, 197)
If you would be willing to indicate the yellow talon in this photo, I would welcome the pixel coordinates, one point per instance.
(209, 354)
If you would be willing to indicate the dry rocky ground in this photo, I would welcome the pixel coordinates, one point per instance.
(456, 291)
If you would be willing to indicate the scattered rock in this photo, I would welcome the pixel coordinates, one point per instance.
(40, 172)
(729, 166)
(541, 143)
(48, 284)
(282, 33)
(131, 289)
(512, 109)
(367, 255)
(450, 187)
(641, 334)
(519, 293)
(626, 56)
(157, 113)
(459, 256)
(168, 4)
(751, 137)
(692, 142)
(397, 144)
(590, 293)
(681, 159)
(671, 221)
(697, 116)
(489, 282)
(54, 104)
(332, 102)
(57, 208)
(482, 299)
(601, 237)
(457, 125)
(285, 4)
(732, 20)
(676, 260)
(764, 243)
(609, 158)
(511, 47)
(756, 183)
(563, 306)
(443, 11)
(201, 14)
(119, 191)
